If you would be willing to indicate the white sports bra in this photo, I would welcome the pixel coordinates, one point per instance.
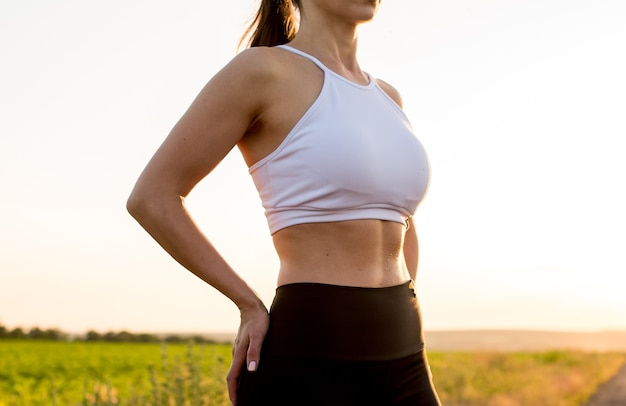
(351, 156)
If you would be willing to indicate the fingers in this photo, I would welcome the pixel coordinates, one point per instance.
(232, 392)
(247, 347)
(254, 353)
(232, 379)
(243, 358)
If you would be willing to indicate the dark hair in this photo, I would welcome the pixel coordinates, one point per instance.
(274, 24)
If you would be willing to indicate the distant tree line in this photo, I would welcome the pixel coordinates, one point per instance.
(34, 333)
(54, 334)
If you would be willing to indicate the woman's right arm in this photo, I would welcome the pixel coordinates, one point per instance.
(215, 122)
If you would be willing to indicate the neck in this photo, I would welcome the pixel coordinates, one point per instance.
(331, 42)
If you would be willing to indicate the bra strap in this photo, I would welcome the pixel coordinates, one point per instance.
(305, 55)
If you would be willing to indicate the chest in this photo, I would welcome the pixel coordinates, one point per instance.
(362, 143)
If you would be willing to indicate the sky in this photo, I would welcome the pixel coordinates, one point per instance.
(520, 105)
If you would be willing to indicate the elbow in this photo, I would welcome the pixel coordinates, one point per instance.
(147, 205)
(136, 204)
(143, 203)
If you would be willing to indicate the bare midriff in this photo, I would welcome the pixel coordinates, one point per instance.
(364, 253)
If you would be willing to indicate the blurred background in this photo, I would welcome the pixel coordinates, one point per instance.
(520, 105)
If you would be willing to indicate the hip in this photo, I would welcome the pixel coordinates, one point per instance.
(312, 320)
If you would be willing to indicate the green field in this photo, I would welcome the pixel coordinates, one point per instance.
(81, 373)
(554, 378)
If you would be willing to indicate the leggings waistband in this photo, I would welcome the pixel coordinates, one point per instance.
(311, 320)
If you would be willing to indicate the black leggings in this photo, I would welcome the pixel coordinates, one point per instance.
(334, 345)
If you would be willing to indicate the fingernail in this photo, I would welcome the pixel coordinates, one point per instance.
(252, 366)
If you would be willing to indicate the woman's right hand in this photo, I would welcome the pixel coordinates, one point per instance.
(247, 347)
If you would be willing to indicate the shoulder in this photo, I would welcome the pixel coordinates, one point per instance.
(258, 63)
(390, 90)
(248, 78)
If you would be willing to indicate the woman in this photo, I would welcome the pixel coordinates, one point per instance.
(340, 174)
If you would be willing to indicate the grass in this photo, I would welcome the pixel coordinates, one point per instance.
(555, 378)
(79, 373)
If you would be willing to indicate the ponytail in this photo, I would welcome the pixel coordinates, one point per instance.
(274, 23)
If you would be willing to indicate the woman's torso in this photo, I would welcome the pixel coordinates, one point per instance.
(361, 252)
(365, 253)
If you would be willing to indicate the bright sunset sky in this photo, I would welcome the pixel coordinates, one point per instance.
(521, 105)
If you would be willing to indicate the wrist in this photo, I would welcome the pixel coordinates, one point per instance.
(251, 304)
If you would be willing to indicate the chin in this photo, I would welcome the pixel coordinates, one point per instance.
(367, 15)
